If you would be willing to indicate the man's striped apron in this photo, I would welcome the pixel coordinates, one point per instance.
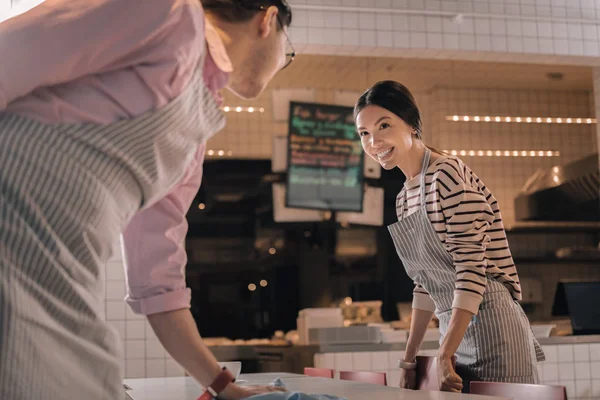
(67, 191)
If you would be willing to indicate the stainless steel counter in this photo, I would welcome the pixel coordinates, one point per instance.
(229, 353)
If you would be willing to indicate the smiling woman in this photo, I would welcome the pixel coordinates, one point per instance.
(451, 240)
(389, 123)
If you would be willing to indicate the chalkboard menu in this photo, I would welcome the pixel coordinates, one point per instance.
(325, 159)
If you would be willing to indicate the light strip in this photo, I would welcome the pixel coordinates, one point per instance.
(219, 153)
(243, 109)
(504, 153)
(521, 120)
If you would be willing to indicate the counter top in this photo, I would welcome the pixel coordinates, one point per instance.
(225, 353)
(188, 389)
(578, 339)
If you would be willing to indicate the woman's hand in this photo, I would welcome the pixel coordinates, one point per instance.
(408, 379)
(447, 376)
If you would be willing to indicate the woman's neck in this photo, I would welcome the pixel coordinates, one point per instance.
(413, 161)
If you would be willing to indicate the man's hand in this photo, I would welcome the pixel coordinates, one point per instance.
(236, 392)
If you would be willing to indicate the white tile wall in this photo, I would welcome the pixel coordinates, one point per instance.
(250, 135)
(143, 355)
(528, 29)
(576, 372)
(506, 176)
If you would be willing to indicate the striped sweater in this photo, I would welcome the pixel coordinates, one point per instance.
(467, 219)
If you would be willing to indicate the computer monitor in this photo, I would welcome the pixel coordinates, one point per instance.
(579, 300)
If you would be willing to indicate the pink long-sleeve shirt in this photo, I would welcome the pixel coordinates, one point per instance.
(69, 61)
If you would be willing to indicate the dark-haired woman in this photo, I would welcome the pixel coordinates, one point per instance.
(452, 243)
(105, 109)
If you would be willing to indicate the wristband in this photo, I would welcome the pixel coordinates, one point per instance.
(406, 365)
(219, 384)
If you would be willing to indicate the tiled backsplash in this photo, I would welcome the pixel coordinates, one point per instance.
(249, 135)
(505, 176)
(577, 367)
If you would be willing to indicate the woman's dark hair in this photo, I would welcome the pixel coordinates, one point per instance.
(394, 97)
(244, 10)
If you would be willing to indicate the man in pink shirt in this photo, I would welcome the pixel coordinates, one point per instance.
(94, 70)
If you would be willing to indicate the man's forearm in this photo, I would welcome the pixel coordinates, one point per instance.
(418, 327)
(178, 333)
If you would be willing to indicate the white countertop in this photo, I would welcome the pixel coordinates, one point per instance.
(186, 388)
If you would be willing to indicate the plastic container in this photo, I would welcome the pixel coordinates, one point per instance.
(310, 318)
(542, 331)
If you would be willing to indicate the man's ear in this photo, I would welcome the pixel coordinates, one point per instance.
(268, 21)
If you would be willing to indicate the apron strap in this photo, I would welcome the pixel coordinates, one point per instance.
(423, 173)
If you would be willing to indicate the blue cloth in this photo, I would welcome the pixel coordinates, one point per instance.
(291, 395)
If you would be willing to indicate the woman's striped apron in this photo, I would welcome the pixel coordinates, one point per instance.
(499, 344)
(67, 191)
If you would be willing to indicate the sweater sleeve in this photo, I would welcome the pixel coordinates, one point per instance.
(467, 217)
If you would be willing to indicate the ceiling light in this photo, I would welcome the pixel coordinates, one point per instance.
(549, 120)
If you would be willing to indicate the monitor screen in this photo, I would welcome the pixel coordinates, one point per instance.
(325, 159)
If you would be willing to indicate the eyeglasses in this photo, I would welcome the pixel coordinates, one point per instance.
(290, 53)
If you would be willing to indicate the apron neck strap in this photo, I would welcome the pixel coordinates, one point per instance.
(423, 173)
